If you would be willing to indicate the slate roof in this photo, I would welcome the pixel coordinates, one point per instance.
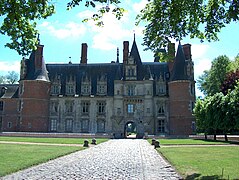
(113, 71)
(9, 90)
(31, 73)
(179, 71)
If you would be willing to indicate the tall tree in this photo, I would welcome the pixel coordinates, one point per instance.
(210, 81)
(20, 22)
(12, 77)
(179, 18)
(230, 82)
(164, 19)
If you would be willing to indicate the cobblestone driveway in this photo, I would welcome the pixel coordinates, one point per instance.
(116, 159)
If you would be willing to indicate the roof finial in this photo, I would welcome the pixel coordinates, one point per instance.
(134, 35)
(117, 55)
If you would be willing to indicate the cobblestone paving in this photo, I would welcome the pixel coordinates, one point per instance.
(131, 159)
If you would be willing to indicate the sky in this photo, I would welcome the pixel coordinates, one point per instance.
(63, 33)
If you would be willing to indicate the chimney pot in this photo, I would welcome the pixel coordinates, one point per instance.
(187, 51)
(125, 52)
(84, 53)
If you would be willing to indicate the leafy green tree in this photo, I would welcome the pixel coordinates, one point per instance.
(20, 19)
(210, 81)
(19, 22)
(200, 115)
(234, 105)
(164, 19)
(179, 18)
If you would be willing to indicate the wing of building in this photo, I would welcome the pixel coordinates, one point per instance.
(155, 97)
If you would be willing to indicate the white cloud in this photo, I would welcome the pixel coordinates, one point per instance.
(199, 50)
(69, 30)
(6, 66)
(137, 7)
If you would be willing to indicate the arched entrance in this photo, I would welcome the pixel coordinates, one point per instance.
(130, 130)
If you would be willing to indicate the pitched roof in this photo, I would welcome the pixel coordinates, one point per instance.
(178, 72)
(9, 90)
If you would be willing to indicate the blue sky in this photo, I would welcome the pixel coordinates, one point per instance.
(63, 33)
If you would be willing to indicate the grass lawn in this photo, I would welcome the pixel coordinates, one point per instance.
(50, 140)
(14, 157)
(204, 162)
(187, 142)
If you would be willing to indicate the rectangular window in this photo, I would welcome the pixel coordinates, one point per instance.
(130, 108)
(70, 89)
(69, 125)
(101, 89)
(161, 126)
(85, 107)
(100, 126)
(55, 89)
(85, 89)
(19, 105)
(9, 124)
(161, 109)
(53, 125)
(148, 110)
(101, 107)
(1, 105)
(85, 125)
(130, 90)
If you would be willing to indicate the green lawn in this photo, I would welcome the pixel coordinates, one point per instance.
(15, 157)
(204, 162)
(50, 140)
(187, 142)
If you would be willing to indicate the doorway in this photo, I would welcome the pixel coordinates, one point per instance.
(130, 130)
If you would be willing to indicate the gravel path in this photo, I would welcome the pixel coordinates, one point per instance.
(132, 159)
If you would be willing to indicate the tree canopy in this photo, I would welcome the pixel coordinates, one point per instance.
(164, 19)
(210, 81)
(10, 78)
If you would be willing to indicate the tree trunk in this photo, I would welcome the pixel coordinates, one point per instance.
(205, 134)
(226, 138)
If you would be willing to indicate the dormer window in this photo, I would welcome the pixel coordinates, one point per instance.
(70, 89)
(85, 86)
(102, 84)
(55, 89)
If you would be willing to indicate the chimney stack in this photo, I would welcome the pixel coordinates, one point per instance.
(125, 51)
(38, 57)
(83, 53)
(187, 51)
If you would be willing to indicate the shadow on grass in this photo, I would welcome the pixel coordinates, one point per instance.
(196, 175)
(219, 140)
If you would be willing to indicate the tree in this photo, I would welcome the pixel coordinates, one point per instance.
(210, 81)
(2, 79)
(20, 22)
(199, 112)
(230, 82)
(177, 19)
(12, 77)
(20, 18)
(164, 19)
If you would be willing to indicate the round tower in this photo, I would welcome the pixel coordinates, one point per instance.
(181, 90)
